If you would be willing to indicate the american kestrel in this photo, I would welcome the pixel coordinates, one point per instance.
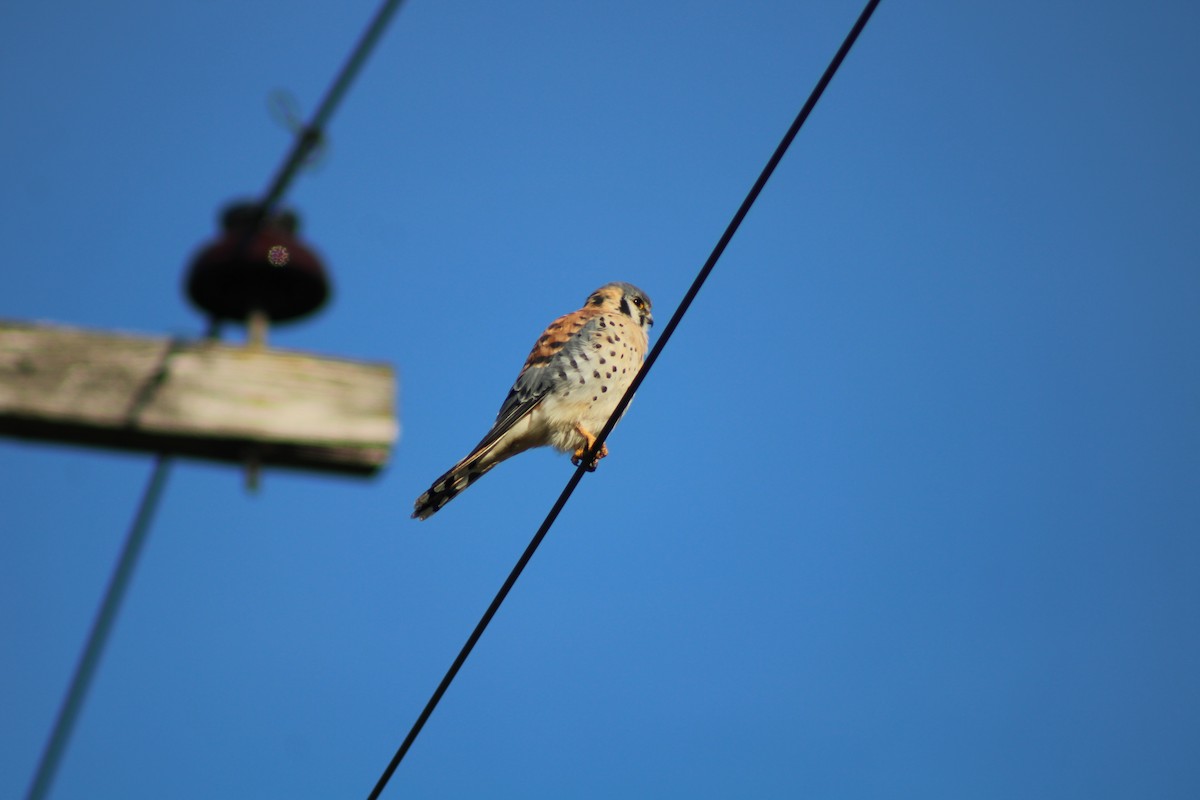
(570, 384)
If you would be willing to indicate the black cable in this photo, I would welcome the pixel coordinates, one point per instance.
(734, 224)
(311, 134)
(577, 476)
(85, 670)
(307, 139)
(89, 661)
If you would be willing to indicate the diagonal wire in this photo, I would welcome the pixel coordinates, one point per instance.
(85, 670)
(577, 476)
(93, 649)
(310, 136)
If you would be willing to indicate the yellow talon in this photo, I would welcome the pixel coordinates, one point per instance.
(589, 442)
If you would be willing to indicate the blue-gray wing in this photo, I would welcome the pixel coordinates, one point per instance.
(553, 363)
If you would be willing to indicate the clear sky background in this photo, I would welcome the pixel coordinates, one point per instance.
(908, 508)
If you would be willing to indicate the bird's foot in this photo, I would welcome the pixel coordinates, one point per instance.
(589, 441)
(577, 458)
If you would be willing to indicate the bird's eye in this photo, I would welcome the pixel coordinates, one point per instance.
(637, 301)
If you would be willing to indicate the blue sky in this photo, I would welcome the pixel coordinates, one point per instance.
(909, 506)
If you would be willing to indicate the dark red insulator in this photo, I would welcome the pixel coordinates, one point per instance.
(257, 263)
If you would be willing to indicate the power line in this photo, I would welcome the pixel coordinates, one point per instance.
(85, 670)
(106, 616)
(577, 476)
(307, 138)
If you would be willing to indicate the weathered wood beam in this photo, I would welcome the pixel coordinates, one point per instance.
(198, 398)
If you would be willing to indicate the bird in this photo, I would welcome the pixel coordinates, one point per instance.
(570, 385)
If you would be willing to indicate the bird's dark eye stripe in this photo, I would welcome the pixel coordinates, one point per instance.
(625, 308)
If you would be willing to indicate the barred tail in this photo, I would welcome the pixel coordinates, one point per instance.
(450, 485)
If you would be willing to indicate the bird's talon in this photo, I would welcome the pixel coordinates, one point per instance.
(577, 458)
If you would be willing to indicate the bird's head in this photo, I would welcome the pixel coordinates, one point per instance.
(624, 298)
